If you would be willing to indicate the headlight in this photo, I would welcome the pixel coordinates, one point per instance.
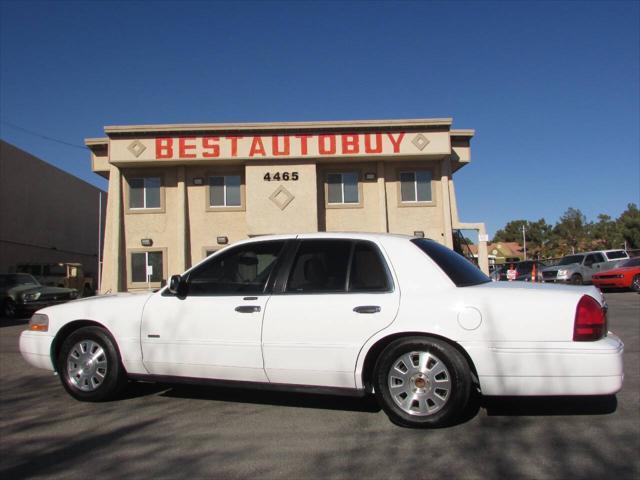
(30, 297)
(562, 273)
(39, 323)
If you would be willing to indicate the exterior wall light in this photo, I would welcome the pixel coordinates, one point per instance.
(418, 233)
(198, 181)
(222, 240)
(370, 176)
(146, 242)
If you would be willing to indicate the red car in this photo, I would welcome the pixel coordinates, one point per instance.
(625, 275)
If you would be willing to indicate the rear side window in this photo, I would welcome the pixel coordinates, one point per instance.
(368, 272)
(320, 266)
(460, 270)
(616, 254)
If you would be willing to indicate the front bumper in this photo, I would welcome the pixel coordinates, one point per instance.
(34, 306)
(35, 348)
(559, 368)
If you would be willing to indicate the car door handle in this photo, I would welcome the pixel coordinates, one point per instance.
(248, 309)
(367, 309)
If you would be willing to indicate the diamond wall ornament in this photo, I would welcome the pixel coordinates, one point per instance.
(420, 141)
(136, 147)
(281, 197)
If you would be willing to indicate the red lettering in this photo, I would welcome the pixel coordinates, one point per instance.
(303, 144)
(164, 148)
(257, 147)
(276, 150)
(184, 147)
(234, 145)
(368, 147)
(396, 143)
(322, 147)
(350, 143)
(210, 147)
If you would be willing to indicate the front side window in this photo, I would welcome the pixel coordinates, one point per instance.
(146, 267)
(240, 271)
(224, 191)
(415, 186)
(144, 193)
(342, 188)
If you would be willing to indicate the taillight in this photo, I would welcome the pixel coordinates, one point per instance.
(591, 320)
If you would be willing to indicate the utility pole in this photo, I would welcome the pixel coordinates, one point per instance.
(524, 241)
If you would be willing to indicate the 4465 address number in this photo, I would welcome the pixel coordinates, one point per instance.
(278, 176)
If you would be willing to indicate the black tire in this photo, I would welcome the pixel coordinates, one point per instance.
(87, 291)
(576, 279)
(458, 373)
(9, 309)
(107, 376)
(635, 283)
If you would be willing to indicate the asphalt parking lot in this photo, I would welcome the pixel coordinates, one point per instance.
(169, 432)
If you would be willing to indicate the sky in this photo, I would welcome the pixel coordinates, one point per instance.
(552, 89)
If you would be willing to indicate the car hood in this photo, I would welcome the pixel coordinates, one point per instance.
(19, 289)
(555, 268)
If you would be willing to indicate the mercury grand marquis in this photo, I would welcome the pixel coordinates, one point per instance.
(403, 318)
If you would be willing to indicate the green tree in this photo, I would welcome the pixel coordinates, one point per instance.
(629, 226)
(537, 234)
(605, 233)
(571, 233)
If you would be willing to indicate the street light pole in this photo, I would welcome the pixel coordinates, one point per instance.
(524, 241)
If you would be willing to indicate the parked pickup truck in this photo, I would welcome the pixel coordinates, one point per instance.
(577, 269)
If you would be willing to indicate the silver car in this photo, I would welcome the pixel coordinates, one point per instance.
(577, 269)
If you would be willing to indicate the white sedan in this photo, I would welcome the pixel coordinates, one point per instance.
(404, 318)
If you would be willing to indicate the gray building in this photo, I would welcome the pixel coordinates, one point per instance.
(46, 214)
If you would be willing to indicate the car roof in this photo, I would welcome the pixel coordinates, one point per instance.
(328, 235)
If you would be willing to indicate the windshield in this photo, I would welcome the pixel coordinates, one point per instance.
(632, 262)
(16, 279)
(568, 260)
(460, 270)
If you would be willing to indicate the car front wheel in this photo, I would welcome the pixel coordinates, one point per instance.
(422, 382)
(635, 283)
(576, 279)
(9, 309)
(89, 365)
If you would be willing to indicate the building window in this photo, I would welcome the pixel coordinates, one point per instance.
(342, 188)
(415, 186)
(224, 191)
(146, 267)
(144, 193)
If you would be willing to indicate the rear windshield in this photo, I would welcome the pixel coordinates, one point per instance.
(616, 254)
(571, 259)
(460, 270)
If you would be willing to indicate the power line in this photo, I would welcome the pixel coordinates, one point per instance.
(36, 134)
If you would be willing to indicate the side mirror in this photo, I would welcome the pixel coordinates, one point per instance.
(177, 285)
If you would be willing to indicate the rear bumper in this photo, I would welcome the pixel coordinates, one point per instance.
(35, 348)
(561, 368)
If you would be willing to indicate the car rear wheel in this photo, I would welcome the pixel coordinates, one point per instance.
(422, 382)
(635, 283)
(89, 365)
(576, 279)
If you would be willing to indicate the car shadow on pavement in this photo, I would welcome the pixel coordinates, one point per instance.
(265, 397)
(11, 322)
(548, 406)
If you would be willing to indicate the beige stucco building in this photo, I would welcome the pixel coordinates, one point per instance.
(179, 192)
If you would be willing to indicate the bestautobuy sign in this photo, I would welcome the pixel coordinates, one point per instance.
(280, 146)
